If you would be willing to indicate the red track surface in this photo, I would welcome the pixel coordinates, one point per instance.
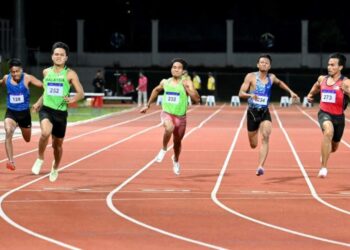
(110, 193)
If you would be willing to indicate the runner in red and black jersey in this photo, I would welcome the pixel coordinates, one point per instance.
(333, 89)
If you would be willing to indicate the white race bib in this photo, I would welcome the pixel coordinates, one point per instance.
(328, 96)
(55, 89)
(261, 100)
(15, 99)
(172, 97)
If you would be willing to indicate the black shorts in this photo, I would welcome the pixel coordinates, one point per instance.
(58, 119)
(22, 118)
(338, 122)
(255, 117)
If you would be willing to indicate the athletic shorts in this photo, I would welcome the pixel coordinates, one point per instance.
(58, 119)
(255, 117)
(22, 118)
(179, 123)
(338, 122)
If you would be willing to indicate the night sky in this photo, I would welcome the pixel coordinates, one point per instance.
(46, 23)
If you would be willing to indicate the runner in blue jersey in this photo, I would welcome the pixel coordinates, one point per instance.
(18, 110)
(257, 89)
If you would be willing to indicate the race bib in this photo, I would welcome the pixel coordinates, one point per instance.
(261, 100)
(328, 96)
(172, 97)
(55, 89)
(15, 99)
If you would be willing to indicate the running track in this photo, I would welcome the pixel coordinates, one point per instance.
(110, 193)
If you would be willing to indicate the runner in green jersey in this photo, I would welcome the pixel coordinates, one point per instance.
(174, 104)
(53, 106)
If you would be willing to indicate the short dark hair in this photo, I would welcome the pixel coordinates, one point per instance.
(179, 60)
(265, 56)
(15, 62)
(341, 58)
(60, 45)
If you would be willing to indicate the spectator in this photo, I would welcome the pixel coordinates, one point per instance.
(122, 80)
(142, 90)
(129, 90)
(98, 84)
(211, 85)
(197, 84)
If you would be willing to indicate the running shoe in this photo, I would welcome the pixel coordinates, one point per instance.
(37, 166)
(260, 171)
(54, 173)
(323, 172)
(11, 166)
(160, 155)
(176, 166)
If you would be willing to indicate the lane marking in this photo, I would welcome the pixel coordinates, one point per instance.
(86, 133)
(260, 222)
(111, 205)
(41, 236)
(302, 169)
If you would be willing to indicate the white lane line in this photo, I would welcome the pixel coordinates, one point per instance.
(43, 237)
(232, 211)
(110, 204)
(85, 134)
(302, 169)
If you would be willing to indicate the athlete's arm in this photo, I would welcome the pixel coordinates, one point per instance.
(191, 91)
(315, 89)
(154, 94)
(245, 87)
(74, 80)
(38, 104)
(35, 81)
(3, 80)
(284, 86)
(346, 86)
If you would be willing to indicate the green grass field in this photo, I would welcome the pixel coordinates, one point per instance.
(80, 113)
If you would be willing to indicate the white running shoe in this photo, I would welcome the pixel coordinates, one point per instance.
(323, 172)
(54, 173)
(176, 166)
(37, 166)
(160, 155)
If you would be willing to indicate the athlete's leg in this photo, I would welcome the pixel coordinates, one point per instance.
(10, 127)
(253, 138)
(326, 145)
(46, 129)
(179, 132)
(265, 130)
(26, 133)
(57, 150)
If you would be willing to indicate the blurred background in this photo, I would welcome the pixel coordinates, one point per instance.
(132, 35)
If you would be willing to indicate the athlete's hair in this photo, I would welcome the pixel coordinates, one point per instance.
(341, 58)
(15, 62)
(60, 45)
(179, 60)
(265, 56)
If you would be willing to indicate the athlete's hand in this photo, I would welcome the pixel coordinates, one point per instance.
(310, 97)
(36, 107)
(144, 109)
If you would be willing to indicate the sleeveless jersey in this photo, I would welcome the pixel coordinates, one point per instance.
(174, 98)
(263, 91)
(332, 97)
(17, 95)
(56, 87)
